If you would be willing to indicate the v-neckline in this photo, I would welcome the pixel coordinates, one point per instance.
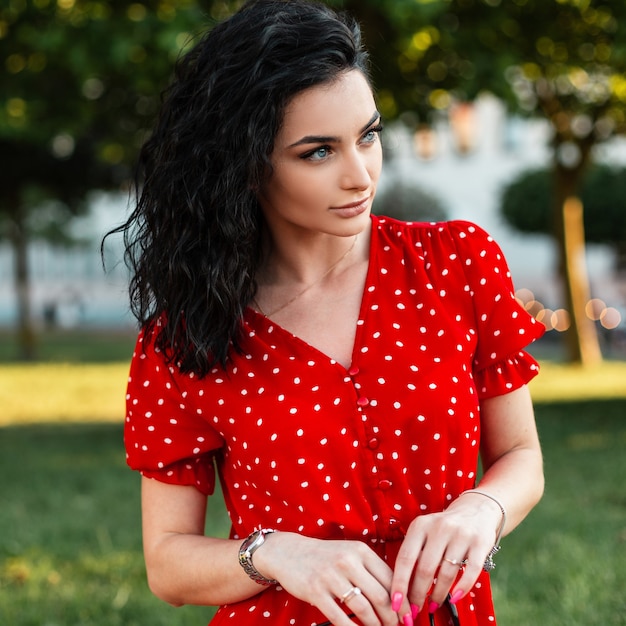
(270, 324)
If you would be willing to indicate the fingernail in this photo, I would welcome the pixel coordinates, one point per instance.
(432, 607)
(456, 596)
(396, 601)
(414, 610)
(407, 620)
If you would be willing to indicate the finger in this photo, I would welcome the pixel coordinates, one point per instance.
(450, 570)
(357, 603)
(405, 564)
(381, 596)
(377, 596)
(425, 573)
(363, 609)
(335, 614)
(407, 600)
(403, 609)
(468, 579)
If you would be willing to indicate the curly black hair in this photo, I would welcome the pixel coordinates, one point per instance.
(193, 242)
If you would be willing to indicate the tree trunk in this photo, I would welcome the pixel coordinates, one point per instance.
(26, 336)
(581, 339)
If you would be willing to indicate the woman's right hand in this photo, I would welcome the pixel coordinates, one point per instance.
(320, 572)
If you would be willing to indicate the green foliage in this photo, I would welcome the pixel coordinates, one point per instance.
(404, 199)
(604, 197)
(527, 204)
(82, 78)
(389, 27)
(80, 88)
(556, 58)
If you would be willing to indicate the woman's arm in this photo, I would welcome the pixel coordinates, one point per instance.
(467, 529)
(511, 455)
(183, 565)
(186, 567)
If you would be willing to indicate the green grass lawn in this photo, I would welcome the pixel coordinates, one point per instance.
(73, 345)
(70, 544)
(70, 541)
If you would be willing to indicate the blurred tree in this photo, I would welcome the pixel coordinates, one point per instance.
(564, 60)
(80, 84)
(396, 32)
(404, 199)
(526, 205)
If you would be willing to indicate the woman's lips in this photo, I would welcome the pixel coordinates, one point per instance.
(353, 209)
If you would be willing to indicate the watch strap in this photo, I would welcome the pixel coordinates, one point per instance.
(250, 545)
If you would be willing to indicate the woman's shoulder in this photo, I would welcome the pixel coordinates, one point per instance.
(448, 234)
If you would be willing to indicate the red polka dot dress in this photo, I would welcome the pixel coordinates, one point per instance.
(302, 444)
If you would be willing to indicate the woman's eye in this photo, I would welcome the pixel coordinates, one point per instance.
(318, 154)
(370, 135)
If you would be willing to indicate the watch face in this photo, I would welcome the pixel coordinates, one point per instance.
(252, 542)
(253, 538)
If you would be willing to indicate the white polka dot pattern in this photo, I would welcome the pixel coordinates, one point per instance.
(305, 445)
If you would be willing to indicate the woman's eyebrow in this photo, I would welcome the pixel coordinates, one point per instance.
(330, 139)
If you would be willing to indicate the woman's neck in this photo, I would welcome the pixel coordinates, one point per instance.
(300, 261)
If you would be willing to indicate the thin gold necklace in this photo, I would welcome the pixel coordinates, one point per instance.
(315, 282)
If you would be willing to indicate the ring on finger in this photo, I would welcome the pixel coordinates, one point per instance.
(460, 563)
(353, 591)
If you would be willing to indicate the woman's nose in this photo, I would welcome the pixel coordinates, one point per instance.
(355, 174)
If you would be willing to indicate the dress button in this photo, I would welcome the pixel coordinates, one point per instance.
(353, 371)
(373, 443)
(383, 485)
(362, 401)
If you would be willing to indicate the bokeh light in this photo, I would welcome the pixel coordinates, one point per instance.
(559, 319)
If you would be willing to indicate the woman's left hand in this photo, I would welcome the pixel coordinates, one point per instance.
(430, 557)
(437, 545)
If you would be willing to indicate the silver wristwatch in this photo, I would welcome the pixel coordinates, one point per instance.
(253, 542)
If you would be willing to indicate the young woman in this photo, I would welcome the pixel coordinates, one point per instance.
(340, 372)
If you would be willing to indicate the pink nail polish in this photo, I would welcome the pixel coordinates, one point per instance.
(396, 601)
(456, 596)
(407, 620)
(414, 611)
(432, 607)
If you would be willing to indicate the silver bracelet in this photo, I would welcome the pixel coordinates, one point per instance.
(489, 562)
(250, 545)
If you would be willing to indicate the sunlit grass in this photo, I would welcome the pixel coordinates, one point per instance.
(562, 382)
(62, 392)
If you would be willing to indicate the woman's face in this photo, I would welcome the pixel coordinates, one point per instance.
(327, 159)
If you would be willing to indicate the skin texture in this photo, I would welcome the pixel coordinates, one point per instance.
(307, 231)
(310, 227)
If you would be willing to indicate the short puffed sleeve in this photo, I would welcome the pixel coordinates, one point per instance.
(165, 436)
(504, 327)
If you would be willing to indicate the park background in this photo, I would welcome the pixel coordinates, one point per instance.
(70, 545)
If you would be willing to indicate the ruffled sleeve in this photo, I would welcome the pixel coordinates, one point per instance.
(164, 434)
(504, 327)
